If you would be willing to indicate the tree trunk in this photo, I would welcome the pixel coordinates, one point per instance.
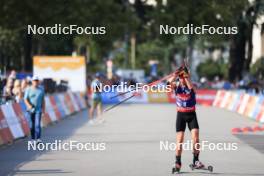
(249, 49)
(237, 52)
(28, 53)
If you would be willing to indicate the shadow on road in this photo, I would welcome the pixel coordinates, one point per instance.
(46, 171)
(14, 156)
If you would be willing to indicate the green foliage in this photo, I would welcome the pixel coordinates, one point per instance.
(150, 51)
(10, 46)
(121, 19)
(16, 15)
(209, 12)
(257, 69)
(210, 69)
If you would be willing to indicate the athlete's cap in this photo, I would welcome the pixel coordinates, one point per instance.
(35, 78)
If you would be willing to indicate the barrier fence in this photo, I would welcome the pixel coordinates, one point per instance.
(15, 123)
(251, 106)
(14, 120)
(203, 97)
(248, 105)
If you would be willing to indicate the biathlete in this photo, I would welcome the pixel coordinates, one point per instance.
(185, 103)
(96, 100)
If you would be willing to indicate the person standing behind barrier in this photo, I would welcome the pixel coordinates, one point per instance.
(24, 85)
(34, 100)
(96, 99)
(7, 91)
(17, 91)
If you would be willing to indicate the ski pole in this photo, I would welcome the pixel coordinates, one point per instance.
(150, 84)
(115, 105)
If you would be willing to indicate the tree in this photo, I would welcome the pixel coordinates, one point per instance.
(16, 15)
(179, 13)
(210, 69)
(240, 60)
(257, 69)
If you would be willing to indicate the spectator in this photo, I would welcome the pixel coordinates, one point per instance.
(7, 91)
(34, 100)
(12, 75)
(17, 92)
(28, 79)
(24, 85)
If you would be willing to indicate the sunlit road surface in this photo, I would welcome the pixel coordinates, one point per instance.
(132, 134)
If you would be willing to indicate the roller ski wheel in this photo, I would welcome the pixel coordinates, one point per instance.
(210, 168)
(191, 166)
(176, 168)
(194, 167)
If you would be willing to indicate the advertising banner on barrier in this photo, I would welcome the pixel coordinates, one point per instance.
(24, 111)
(23, 121)
(158, 97)
(75, 104)
(243, 104)
(68, 102)
(257, 109)
(59, 106)
(12, 121)
(205, 97)
(251, 104)
(230, 100)
(14, 124)
(63, 104)
(239, 102)
(55, 107)
(49, 109)
(235, 98)
(225, 100)
(218, 98)
(260, 115)
(77, 100)
(82, 100)
(5, 132)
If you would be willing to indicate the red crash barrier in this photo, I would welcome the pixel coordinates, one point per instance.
(248, 105)
(14, 123)
(5, 133)
(22, 118)
(55, 107)
(205, 97)
(69, 103)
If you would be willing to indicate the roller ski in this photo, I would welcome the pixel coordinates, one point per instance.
(176, 168)
(200, 166)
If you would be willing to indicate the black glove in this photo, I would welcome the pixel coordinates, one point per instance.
(183, 72)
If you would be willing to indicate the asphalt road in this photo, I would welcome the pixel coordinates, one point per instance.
(132, 135)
